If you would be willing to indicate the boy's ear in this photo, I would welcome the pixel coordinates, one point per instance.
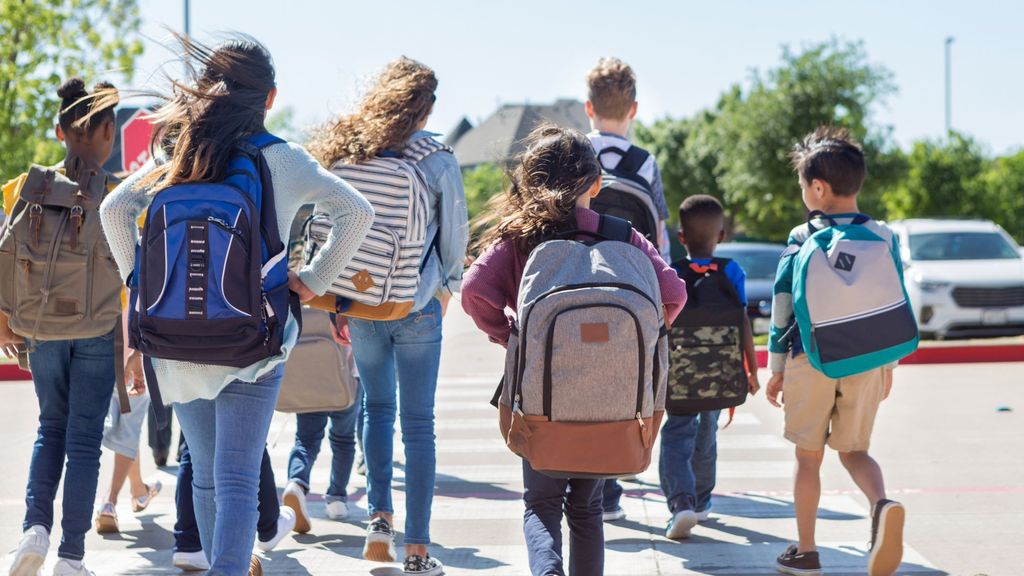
(632, 110)
(821, 188)
(589, 106)
(681, 237)
(721, 236)
(59, 133)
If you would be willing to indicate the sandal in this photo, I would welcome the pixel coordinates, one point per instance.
(142, 502)
(106, 520)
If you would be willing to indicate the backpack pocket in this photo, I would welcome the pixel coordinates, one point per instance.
(579, 384)
(706, 368)
(368, 276)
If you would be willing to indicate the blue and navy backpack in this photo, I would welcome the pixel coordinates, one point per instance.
(210, 283)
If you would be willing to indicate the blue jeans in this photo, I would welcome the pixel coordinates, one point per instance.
(226, 439)
(309, 435)
(611, 494)
(186, 530)
(74, 380)
(689, 450)
(545, 499)
(409, 350)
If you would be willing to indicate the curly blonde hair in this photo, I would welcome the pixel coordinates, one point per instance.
(557, 167)
(401, 97)
(611, 88)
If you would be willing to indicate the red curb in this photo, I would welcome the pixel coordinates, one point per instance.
(13, 372)
(945, 354)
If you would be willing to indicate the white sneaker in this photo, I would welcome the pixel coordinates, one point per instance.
(285, 523)
(681, 524)
(67, 567)
(31, 552)
(337, 510)
(191, 561)
(614, 514)
(704, 514)
(294, 497)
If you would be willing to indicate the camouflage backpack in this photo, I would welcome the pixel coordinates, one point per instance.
(706, 370)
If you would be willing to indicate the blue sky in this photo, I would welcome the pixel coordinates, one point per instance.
(685, 53)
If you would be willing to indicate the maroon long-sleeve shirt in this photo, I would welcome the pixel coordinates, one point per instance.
(492, 282)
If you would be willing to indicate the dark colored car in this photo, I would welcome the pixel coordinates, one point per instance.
(759, 261)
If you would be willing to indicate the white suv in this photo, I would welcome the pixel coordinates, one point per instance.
(964, 277)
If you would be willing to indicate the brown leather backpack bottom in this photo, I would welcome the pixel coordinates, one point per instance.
(580, 449)
(386, 311)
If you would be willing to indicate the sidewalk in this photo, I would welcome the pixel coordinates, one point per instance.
(477, 512)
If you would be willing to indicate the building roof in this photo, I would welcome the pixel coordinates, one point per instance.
(498, 138)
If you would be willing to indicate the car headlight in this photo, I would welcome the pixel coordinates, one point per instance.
(930, 285)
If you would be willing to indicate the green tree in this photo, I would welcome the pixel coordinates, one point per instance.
(830, 83)
(282, 123)
(943, 179)
(481, 183)
(43, 42)
(1004, 185)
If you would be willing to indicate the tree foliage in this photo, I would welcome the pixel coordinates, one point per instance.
(482, 182)
(737, 151)
(42, 42)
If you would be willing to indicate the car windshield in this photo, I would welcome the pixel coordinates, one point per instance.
(758, 263)
(961, 246)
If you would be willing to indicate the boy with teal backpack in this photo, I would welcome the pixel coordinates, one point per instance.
(840, 323)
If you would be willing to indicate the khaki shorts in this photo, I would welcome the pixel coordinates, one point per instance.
(822, 410)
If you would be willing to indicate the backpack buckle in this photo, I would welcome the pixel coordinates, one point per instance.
(35, 222)
(77, 218)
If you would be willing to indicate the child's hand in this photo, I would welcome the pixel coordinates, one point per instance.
(340, 331)
(134, 375)
(753, 382)
(295, 284)
(886, 382)
(775, 389)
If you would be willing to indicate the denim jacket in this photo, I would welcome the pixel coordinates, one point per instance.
(447, 208)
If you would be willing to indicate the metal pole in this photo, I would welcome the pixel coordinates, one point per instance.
(949, 88)
(188, 19)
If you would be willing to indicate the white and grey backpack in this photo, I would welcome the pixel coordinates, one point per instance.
(381, 280)
(586, 364)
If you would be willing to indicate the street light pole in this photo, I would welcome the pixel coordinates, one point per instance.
(188, 19)
(949, 127)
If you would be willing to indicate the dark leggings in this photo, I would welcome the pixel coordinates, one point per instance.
(186, 533)
(546, 500)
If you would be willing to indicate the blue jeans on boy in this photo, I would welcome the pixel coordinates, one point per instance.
(186, 530)
(74, 380)
(546, 498)
(611, 494)
(226, 439)
(409, 349)
(689, 451)
(309, 435)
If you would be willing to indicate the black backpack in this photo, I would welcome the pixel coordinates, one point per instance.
(628, 195)
(706, 369)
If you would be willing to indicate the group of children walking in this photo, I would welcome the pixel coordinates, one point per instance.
(577, 248)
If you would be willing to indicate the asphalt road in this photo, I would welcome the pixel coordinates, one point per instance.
(948, 454)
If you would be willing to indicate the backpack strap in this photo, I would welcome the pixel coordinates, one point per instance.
(614, 228)
(858, 219)
(633, 160)
(420, 148)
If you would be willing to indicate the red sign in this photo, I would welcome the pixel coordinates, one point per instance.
(136, 134)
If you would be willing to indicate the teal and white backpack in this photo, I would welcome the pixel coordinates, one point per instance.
(849, 300)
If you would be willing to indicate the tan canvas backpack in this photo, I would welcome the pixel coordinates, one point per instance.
(58, 280)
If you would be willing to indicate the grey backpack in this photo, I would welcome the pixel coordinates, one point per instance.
(58, 280)
(318, 375)
(586, 364)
